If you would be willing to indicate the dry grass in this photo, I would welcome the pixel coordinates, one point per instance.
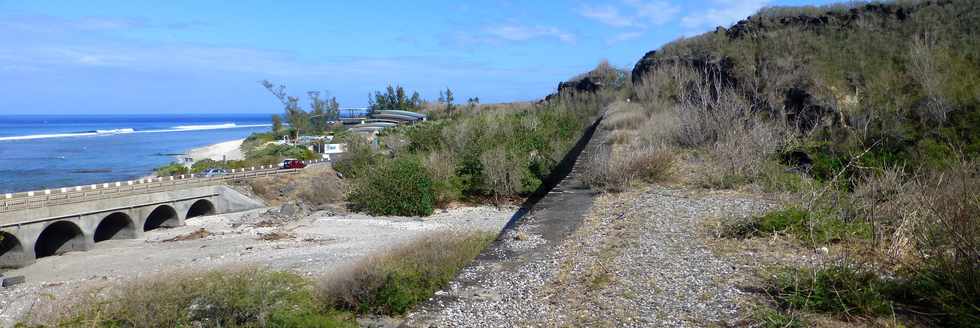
(220, 298)
(621, 137)
(691, 110)
(622, 115)
(393, 282)
(616, 171)
(196, 234)
(276, 236)
(317, 186)
(389, 283)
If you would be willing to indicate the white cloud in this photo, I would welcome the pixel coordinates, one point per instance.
(625, 36)
(608, 15)
(722, 13)
(525, 33)
(643, 13)
(654, 12)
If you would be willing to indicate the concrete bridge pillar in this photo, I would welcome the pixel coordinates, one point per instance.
(121, 224)
(158, 216)
(15, 251)
(43, 239)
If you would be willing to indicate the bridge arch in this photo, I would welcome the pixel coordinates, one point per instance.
(117, 225)
(58, 238)
(201, 207)
(11, 250)
(162, 216)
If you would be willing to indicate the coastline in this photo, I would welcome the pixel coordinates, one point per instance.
(227, 150)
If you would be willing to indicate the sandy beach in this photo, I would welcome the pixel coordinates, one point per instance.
(228, 150)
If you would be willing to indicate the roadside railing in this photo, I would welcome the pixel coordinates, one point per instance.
(77, 194)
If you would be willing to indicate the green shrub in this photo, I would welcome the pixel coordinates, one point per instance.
(778, 178)
(395, 282)
(399, 186)
(771, 318)
(281, 152)
(425, 136)
(849, 292)
(950, 293)
(812, 228)
(208, 163)
(839, 290)
(358, 158)
(171, 170)
(256, 140)
(246, 298)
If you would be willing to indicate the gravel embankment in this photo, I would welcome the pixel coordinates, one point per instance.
(638, 260)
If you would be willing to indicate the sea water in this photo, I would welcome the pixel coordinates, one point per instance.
(53, 151)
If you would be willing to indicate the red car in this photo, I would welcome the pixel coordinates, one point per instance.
(292, 164)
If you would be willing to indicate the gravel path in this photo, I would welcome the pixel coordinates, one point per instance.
(638, 259)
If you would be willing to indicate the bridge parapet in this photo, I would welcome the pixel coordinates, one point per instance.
(78, 194)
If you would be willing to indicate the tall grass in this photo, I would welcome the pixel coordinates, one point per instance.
(868, 127)
(386, 284)
(220, 298)
(393, 282)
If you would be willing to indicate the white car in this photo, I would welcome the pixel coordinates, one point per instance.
(214, 172)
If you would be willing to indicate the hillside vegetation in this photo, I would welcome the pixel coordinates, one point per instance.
(479, 153)
(866, 114)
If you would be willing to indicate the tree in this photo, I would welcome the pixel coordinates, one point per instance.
(394, 99)
(333, 110)
(324, 110)
(449, 101)
(276, 124)
(298, 118)
(471, 103)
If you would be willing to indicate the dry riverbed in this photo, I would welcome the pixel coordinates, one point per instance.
(306, 244)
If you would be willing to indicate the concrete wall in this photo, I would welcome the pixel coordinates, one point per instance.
(29, 234)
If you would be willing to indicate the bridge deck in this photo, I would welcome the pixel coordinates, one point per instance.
(79, 194)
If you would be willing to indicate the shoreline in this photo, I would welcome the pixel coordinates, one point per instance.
(227, 150)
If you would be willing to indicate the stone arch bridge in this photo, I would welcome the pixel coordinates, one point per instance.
(31, 234)
(51, 222)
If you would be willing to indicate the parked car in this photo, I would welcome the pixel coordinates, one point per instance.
(214, 172)
(292, 164)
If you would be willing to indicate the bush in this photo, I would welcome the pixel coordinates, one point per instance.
(940, 231)
(448, 187)
(399, 186)
(624, 116)
(812, 228)
(244, 298)
(358, 158)
(171, 169)
(771, 318)
(850, 292)
(839, 290)
(280, 152)
(616, 171)
(395, 282)
(207, 163)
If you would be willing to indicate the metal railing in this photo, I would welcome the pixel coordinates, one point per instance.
(69, 195)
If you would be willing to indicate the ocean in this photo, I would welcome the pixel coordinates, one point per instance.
(53, 151)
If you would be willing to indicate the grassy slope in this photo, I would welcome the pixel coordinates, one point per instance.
(875, 109)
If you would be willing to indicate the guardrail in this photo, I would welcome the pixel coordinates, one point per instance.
(77, 194)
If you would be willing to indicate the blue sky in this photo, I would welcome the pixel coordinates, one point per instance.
(181, 56)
